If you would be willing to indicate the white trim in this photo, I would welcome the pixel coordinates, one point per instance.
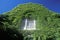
(28, 23)
(25, 24)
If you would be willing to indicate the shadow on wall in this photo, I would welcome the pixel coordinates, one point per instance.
(9, 34)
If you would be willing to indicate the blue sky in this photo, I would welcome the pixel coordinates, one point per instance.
(7, 5)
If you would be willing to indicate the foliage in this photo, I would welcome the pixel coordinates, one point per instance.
(47, 22)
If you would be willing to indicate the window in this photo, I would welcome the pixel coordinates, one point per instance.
(30, 24)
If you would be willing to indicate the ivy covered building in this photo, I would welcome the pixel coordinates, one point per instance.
(34, 22)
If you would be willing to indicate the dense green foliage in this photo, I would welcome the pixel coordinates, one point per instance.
(47, 22)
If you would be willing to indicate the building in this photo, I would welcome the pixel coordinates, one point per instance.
(35, 22)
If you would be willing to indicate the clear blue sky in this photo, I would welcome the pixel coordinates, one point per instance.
(6, 5)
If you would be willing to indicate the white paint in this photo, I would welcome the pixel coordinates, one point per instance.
(25, 24)
(29, 25)
(34, 24)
